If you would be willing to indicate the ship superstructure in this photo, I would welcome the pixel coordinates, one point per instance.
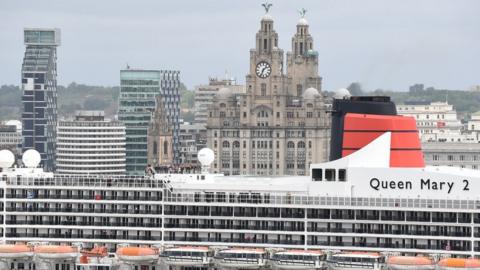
(362, 201)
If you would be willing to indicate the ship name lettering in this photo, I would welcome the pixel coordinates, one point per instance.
(377, 184)
(434, 185)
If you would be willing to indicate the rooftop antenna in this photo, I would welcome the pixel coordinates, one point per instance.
(128, 67)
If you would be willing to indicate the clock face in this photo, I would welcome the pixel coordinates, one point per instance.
(263, 69)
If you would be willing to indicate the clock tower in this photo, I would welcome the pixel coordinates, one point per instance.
(266, 76)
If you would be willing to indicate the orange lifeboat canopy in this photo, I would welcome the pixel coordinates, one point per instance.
(460, 263)
(55, 249)
(409, 260)
(15, 249)
(136, 251)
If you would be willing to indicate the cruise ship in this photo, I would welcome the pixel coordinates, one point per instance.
(375, 195)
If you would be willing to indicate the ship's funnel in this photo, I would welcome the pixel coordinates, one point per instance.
(357, 121)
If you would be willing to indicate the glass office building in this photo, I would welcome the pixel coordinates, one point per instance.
(39, 85)
(138, 90)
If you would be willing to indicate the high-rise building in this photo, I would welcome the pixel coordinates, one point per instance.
(39, 85)
(137, 102)
(279, 126)
(205, 94)
(90, 144)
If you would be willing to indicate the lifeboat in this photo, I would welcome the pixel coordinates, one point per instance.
(410, 262)
(458, 263)
(94, 258)
(356, 261)
(53, 252)
(241, 258)
(298, 260)
(187, 256)
(15, 251)
(138, 254)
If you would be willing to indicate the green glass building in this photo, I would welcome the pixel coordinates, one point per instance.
(138, 89)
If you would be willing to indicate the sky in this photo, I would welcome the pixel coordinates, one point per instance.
(381, 44)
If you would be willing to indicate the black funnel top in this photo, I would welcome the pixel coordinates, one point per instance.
(379, 105)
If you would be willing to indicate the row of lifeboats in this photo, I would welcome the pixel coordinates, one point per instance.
(234, 258)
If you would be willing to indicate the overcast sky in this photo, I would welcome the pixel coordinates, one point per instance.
(382, 44)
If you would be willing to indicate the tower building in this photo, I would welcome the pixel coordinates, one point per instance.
(39, 86)
(279, 126)
(137, 103)
(160, 138)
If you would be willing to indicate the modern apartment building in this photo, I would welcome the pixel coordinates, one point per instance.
(90, 144)
(137, 102)
(39, 86)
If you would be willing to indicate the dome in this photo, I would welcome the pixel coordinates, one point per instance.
(342, 93)
(16, 123)
(311, 93)
(302, 21)
(206, 156)
(267, 17)
(31, 158)
(7, 158)
(224, 93)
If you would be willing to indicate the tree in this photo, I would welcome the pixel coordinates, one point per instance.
(355, 89)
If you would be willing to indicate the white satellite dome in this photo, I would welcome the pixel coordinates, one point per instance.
(310, 93)
(206, 156)
(342, 93)
(224, 93)
(7, 158)
(16, 123)
(31, 158)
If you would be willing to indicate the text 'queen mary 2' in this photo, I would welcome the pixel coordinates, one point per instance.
(374, 195)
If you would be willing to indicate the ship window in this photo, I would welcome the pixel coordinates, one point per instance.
(330, 174)
(317, 174)
(342, 175)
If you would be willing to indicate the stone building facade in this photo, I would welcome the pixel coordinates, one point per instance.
(160, 138)
(279, 126)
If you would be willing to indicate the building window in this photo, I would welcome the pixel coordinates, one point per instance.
(299, 90)
(165, 148)
(225, 144)
(278, 114)
(290, 145)
(222, 114)
(301, 145)
(244, 114)
(263, 88)
(155, 147)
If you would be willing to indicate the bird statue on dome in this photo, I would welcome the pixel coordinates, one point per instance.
(267, 6)
(302, 12)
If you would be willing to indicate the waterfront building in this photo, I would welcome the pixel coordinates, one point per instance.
(205, 94)
(279, 126)
(436, 122)
(454, 154)
(90, 144)
(137, 102)
(193, 137)
(11, 138)
(39, 86)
